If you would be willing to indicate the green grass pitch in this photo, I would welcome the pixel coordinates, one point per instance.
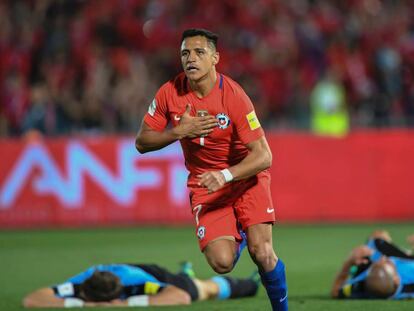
(312, 254)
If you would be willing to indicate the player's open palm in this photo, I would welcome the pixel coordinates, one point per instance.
(192, 127)
(213, 181)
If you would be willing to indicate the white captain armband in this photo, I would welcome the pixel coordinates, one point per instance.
(138, 301)
(228, 177)
(73, 303)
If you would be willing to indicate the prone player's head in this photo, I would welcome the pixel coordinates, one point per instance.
(101, 286)
(199, 53)
(382, 280)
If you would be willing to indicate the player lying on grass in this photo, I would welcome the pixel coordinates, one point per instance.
(379, 269)
(138, 285)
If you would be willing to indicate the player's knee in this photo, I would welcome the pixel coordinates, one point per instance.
(221, 267)
(222, 263)
(220, 256)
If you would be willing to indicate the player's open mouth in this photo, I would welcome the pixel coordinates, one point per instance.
(191, 68)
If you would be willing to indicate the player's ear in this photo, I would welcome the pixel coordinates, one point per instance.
(216, 58)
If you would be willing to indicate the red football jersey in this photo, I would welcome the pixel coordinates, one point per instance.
(237, 122)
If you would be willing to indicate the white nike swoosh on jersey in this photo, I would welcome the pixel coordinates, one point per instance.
(270, 210)
(283, 299)
(177, 117)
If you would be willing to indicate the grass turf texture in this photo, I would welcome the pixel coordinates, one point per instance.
(312, 254)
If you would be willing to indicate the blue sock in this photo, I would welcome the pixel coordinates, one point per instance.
(241, 246)
(276, 287)
(224, 287)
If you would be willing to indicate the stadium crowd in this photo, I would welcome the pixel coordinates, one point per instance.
(77, 66)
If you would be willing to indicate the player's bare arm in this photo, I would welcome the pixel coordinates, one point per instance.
(169, 296)
(42, 298)
(258, 159)
(357, 257)
(45, 298)
(189, 127)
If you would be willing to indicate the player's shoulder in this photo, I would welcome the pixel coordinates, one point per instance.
(233, 89)
(231, 85)
(234, 93)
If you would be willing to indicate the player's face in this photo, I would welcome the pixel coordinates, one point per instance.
(198, 58)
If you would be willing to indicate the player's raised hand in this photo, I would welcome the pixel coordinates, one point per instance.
(359, 254)
(192, 127)
(381, 234)
(410, 240)
(213, 180)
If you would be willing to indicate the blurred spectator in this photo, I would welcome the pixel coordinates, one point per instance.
(328, 107)
(75, 66)
(388, 78)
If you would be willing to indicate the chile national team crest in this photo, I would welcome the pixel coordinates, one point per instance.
(201, 232)
(223, 121)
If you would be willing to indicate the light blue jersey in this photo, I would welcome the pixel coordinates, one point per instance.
(405, 269)
(134, 279)
(354, 287)
(127, 274)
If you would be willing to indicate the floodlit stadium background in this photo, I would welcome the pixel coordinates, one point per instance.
(332, 83)
(99, 63)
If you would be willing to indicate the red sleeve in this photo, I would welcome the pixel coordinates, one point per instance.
(157, 116)
(242, 113)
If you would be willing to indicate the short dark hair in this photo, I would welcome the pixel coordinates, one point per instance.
(192, 32)
(101, 286)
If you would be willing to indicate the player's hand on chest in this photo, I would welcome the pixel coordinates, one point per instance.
(217, 122)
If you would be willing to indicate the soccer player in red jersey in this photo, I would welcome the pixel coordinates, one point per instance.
(227, 155)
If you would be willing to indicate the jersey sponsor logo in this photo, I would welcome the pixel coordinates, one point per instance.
(270, 210)
(152, 107)
(223, 121)
(253, 120)
(201, 232)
